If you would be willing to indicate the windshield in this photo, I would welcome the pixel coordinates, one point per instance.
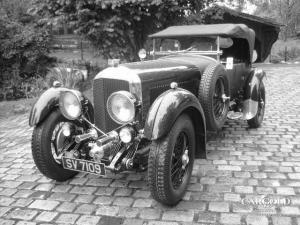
(188, 44)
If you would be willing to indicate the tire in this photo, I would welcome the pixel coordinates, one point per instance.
(162, 157)
(211, 98)
(256, 121)
(42, 151)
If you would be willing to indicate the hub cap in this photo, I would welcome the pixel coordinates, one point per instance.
(60, 142)
(180, 160)
(219, 99)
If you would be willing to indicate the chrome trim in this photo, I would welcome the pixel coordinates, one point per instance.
(79, 98)
(126, 74)
(249, 109)
(131, 99)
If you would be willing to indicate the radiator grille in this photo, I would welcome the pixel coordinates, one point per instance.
(102, 89)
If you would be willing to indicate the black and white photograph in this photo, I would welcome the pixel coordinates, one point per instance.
(150, 112)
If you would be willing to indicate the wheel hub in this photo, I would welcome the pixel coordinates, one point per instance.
(225, 98)
(185, 158)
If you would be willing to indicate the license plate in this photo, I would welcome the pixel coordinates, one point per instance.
(84, 166)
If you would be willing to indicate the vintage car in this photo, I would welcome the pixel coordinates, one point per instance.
(152, 114)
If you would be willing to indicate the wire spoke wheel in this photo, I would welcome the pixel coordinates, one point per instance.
(50, 140)
(170, 162)
(219, 105)
(177, 168)
(59, 142)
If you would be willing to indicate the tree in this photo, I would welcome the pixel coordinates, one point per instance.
(118, 28)
(282, 11)
(23, 44)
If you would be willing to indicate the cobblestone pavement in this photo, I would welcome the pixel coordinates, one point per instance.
(242, 165)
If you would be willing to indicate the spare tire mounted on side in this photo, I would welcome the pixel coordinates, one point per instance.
(213, 95)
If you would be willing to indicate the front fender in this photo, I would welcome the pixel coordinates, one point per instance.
(166, 109)
(49, 101)
(251, 89)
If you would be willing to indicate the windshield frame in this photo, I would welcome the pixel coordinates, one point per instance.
(217, 52)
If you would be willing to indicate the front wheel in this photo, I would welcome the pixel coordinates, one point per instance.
(256, 121)
(48, 145)
(170, 162)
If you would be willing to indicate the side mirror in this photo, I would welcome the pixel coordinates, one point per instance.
(254, 56)
(142, 54)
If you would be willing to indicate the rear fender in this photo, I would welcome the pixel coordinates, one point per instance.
(251, 89)
(167, 108)
(48, 102)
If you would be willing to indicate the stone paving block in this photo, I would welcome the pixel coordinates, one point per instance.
(84, 198)
(86, 209)
(123, 192)
(137, 222)
(46, 216)
(22, 202)
(150, 214)
(88, 220)
(191, 205)
(6, 222)
(3, 211)
(290, 210)
(285, 191)
(141, 194)
(280, 220)
(143, 203)
(66, 207)
(8, 191)
(25, 223)
(207, 217)
(123, 201)
(84, 190)
(128, 212)
(61, 188)
(107, 210)
(103, 200)
(180, 216)
(22, 214)
(6, 201)
(256, 220)
(105, 191)
(244, 189)
(241, 208)
(67, 218)
(230, 218)
(232, 197)
(44, 204)
(62, 197)
(218, 206)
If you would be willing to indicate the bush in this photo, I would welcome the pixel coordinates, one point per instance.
(291, 53)
(275, 59)
(68, 77)
(24, 48)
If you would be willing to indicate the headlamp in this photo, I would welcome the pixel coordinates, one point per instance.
(70, 105)
(121, 107)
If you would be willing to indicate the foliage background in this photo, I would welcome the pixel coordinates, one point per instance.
(118, 28)
(24, 46)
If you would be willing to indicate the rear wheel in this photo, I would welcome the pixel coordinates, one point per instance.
(171, 161)
(49, 144)
(214, 96)
(256, 121)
